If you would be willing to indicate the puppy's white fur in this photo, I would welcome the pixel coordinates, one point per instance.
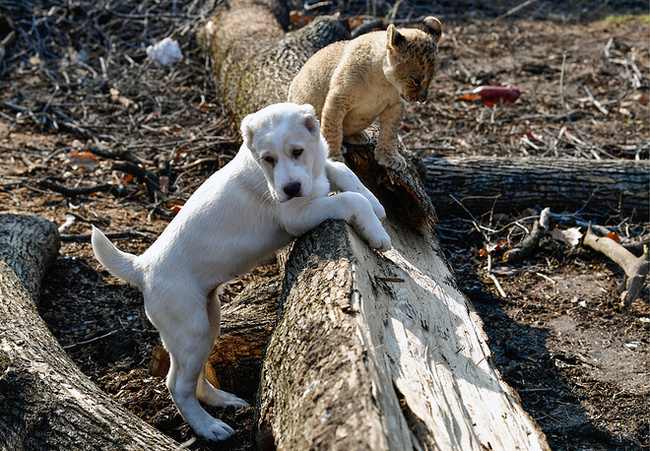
(273, 190)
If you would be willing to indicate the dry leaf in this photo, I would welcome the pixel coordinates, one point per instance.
(175, 205)
(569, 236)
(85, 160)
(298, 18)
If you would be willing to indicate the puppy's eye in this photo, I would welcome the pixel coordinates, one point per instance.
(269, 160)
(297, 152)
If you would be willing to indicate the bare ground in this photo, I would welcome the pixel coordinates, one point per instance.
(77, 81)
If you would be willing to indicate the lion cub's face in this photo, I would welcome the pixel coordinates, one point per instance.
(412, 58)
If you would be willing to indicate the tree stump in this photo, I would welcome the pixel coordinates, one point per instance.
(47, 402)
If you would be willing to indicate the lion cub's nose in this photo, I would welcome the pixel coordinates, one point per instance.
(292, 190)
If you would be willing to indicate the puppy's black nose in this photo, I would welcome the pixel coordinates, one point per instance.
(292, 190)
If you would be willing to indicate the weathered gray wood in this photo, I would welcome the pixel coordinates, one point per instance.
(46, 402)
(382, 352)
(560, 183)
(372, 351)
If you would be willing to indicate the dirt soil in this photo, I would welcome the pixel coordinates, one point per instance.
(82, 107)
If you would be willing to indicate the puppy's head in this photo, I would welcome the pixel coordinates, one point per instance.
(285, 140)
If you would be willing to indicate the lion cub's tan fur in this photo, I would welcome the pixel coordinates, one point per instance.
(351, 83)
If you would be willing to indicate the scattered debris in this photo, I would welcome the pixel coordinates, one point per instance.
(491, 95)
(165, 52)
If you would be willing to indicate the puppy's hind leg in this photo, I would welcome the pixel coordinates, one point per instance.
(185, 331)
(205, 391)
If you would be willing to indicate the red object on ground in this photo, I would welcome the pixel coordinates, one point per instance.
(491, 95)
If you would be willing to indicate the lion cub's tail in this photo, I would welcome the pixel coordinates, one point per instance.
(120, 264)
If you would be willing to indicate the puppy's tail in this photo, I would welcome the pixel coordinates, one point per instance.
(118, 263)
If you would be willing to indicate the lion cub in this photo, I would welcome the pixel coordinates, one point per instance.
(351, 83)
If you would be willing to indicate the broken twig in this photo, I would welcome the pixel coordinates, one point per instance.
(636, 268)
(528, 246)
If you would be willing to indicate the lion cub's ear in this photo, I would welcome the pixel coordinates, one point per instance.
(433, 27)
(395, 38)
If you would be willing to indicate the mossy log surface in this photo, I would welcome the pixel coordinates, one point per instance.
(254, 59)
(46, 401)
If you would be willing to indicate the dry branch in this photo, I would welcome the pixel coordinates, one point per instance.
(636, 268)
(73, 192)
(528, 246)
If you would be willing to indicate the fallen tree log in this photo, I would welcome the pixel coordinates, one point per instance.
(372, 351)
(608, 186)
(47, 402)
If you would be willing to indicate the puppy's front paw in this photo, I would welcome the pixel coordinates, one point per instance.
(377, 238)
(391, 160)
(378, 208)
(382, 242)
(214, 430)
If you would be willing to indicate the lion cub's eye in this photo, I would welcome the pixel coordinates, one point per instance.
(415, 81)
(269, 160)
(297, 152)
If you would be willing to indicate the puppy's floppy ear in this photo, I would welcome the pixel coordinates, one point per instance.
(310, 121)
(395, 38)
(246, 131)
(432, 26)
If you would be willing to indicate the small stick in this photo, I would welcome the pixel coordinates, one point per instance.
(566, 111)
(491, 276)
(514, 10)
(595, 102)
(80, 344)
(73, 192)
(75, 238)
(547, 217)
(149, 179)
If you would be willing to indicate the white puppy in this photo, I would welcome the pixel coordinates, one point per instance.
(275, 189)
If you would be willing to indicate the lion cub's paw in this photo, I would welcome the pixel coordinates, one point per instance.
(392, 160)
(358, 139)
(338, 156)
